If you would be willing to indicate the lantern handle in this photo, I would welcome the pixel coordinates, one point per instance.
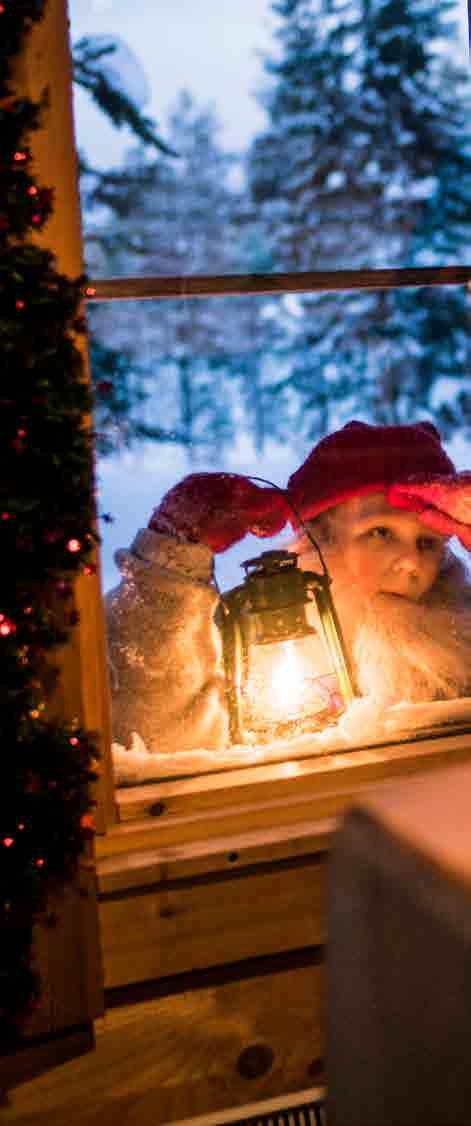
(290, 504)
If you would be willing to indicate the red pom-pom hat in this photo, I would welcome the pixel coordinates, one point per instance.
(361, 459)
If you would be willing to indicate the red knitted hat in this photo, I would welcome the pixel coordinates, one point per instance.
(362, 459)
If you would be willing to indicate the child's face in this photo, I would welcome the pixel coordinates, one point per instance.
(386, 550)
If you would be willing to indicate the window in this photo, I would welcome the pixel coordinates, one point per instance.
(217, 347)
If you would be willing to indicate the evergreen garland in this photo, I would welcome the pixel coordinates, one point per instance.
(46, 536)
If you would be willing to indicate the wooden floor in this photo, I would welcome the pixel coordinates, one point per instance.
(176, 1057)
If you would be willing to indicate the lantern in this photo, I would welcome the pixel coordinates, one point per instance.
(287, 668)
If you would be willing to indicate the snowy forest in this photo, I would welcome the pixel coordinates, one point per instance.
(365, 162)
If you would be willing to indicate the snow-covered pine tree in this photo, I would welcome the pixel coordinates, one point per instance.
(294, 167)
(366, 162)
(109, 71)
(177, 217)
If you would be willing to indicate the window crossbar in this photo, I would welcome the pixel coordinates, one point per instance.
(243, 285)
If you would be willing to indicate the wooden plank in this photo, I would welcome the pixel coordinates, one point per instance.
(209, 921)
(207, 792)
(224, 285)
(132, 870)
(277, 796)
(31, 1059)
(68, 956)
(177, 1057)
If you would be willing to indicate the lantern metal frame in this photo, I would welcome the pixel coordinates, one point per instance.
(270, 607)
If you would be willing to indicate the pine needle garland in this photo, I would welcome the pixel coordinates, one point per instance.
(46, 537)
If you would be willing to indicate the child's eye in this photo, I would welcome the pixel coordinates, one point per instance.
(428, 543)
(380, 532)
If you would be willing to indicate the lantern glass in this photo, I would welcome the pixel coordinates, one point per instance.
(286, 665)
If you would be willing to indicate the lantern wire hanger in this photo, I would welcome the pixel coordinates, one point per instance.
(315, 544)
(301, 523)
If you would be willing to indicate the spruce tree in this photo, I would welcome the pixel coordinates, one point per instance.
(176, 217)
(366, 163)
(96, 65)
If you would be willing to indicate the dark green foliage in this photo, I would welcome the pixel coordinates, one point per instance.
(46, 535)
(88, 54)
(22, 204)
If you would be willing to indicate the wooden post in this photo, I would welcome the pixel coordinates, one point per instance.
(45, 68)
(67, 953)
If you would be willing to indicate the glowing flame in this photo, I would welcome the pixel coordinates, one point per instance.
(287, 681)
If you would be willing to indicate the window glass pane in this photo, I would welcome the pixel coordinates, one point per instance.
(298, 135)
(249, 386)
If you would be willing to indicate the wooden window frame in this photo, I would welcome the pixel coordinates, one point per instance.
(272, 797)
(244, 285)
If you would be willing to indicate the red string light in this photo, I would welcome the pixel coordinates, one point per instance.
(74, 742)
(32, 190)
(19, 304)
(90, 291)
(8, 841)
(40, 862)
(7, 627)
(73, 545)
(18, 156)
(64, 587)
(87, 826)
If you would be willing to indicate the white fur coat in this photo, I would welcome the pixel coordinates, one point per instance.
(167, 678)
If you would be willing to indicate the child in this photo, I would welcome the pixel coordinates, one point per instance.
(380, 500)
